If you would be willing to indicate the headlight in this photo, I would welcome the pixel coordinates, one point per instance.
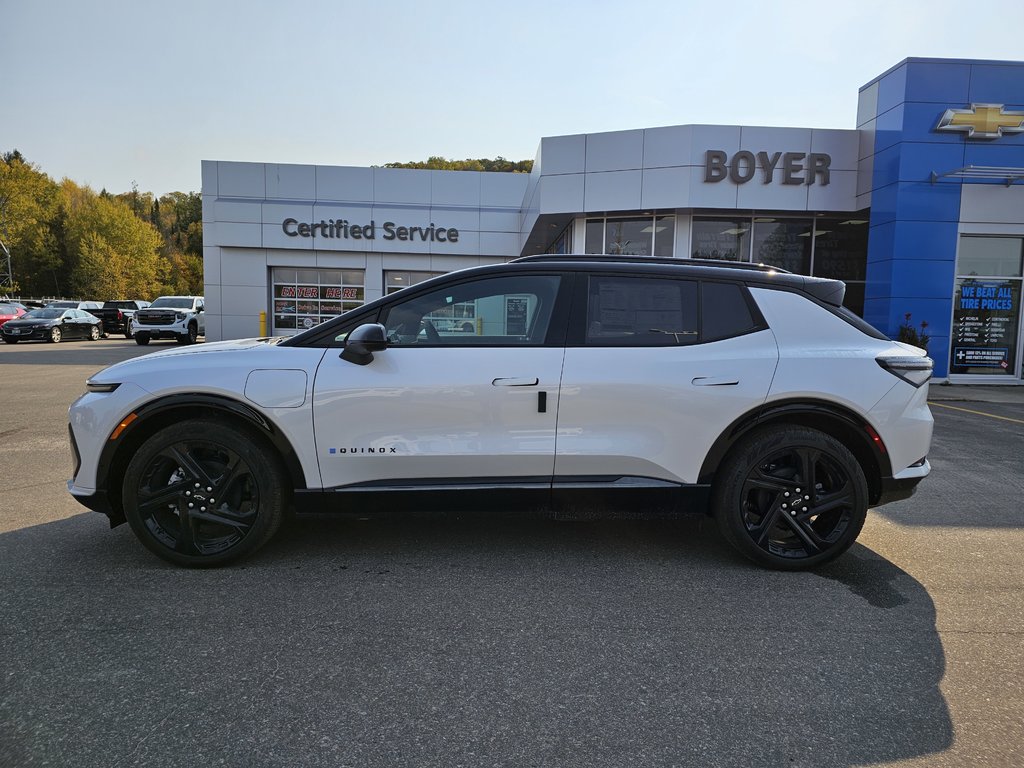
(179, 316)
(95, 386)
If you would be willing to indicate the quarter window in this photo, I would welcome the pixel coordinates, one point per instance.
(724, 311)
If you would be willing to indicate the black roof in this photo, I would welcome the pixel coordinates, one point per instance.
(823, 289)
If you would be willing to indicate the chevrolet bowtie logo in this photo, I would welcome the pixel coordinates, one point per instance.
(982, 121)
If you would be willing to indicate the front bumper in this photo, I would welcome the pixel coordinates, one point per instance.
(161, 331)
(26, 334)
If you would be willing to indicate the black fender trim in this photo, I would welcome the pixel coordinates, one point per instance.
(116, 453)
(846, 425)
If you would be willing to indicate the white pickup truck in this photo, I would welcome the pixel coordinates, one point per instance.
(171, 317)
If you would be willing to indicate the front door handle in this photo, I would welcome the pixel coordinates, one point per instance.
(715, 381)
(516, 381)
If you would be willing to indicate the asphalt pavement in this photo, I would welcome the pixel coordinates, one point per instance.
(478, 640)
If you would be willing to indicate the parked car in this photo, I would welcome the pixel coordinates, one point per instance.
(119, 316)
(10, 311)
(65, 304)
(747, 393)
(171, 317)
(52, 324)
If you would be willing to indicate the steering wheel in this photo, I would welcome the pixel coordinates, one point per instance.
(432, 335)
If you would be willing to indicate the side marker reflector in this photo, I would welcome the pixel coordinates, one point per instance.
(123, 425)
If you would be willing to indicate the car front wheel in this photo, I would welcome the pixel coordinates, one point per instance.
(201, 493)
(55, 335)
(791, 498)
(94, 333)
(142, 339)
(128, 330)
(190, 336)
(9, 340)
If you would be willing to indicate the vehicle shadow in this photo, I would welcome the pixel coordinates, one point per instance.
(447, 640)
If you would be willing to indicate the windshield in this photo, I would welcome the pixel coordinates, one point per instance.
(43, 314)
(119, 305)
(7, 309)
(172, 302)
(63, 304)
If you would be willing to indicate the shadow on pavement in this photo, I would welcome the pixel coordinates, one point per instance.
(461, 641)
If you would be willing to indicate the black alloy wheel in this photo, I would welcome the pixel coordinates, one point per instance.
(55, 335)
(791, 498)
(201, 493)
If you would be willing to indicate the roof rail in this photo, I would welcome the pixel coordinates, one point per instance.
(720, 264)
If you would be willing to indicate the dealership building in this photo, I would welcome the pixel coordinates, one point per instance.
(919, 208)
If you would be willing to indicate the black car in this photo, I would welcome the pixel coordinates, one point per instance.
(52, 324)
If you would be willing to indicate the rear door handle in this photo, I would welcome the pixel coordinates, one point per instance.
(715, 381)
(516, 381)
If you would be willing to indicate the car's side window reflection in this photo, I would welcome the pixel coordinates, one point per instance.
(640, 311)
(498, 311)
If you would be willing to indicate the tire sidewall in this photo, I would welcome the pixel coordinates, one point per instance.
(266, 470)
(55, 335)
(728, 492)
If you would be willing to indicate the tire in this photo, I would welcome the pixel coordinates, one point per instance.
(10, 340)
(190, 336)
(128, 331)
(762, 474)
(142, 339)
(94, 333)
(193, 463)
(55, 335)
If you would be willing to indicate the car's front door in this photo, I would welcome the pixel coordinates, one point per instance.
(466, 391)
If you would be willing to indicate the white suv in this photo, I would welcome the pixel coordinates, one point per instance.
(170, 317)
(583, 384)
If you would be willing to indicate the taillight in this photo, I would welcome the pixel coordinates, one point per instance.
(913, 370)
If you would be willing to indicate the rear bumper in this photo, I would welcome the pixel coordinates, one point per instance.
(903, 485)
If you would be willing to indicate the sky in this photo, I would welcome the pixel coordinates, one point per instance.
(111, 93)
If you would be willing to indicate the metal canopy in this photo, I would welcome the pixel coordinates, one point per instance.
(979, 173)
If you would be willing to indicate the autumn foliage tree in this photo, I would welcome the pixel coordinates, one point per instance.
(438, 163)
(67, 240)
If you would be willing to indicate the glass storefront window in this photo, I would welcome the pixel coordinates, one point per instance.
(396, 280)
(727, 239)
(304, 298)
(633, 236)
(784, 243)
(841, 253)
(562, 243)
(987, 307)
(994, 256)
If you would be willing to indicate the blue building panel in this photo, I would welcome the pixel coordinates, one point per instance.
(924, 201)
(919, 160)
(921, 278)
(997, 84)
(920, 120)
(889, 128)
(937, 81)
(892, 89)
(930, 240)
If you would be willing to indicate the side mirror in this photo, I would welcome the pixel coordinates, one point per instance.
(363, 342)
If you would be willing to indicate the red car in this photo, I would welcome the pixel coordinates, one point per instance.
(9, 312)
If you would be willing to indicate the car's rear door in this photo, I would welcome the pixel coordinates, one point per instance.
(465, 393)
(656, 368)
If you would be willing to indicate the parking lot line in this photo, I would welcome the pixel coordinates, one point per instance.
(978, 413)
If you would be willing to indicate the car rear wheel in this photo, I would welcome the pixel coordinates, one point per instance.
(94, 333)
(791, 498)
(142, 339)
(55, 335)
(203, 494)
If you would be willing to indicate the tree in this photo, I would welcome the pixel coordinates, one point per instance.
(438, 163)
